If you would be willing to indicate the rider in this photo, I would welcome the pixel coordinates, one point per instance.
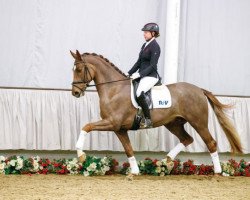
(145, 69)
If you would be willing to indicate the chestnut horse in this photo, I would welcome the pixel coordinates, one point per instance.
(189, 104)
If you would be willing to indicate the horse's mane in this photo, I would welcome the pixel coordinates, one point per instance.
(105, 59)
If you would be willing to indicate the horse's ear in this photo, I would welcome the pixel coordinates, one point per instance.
(76, 55)
(73, 54)
(79, 57)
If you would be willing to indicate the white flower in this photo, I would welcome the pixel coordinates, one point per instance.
(76, 166)
(19, 163)
(105, 161)
(36, 166)
(41, 167)
(158, 170)
(141, 163)
(72, 166)
(106, 168)
(37, 158)
(68, 167)
(86, 173)
(13, 163)
(102, 172)
(162, 174)
(164, 161)
(158, 163)
(73, 172)
(18, 167)
(2, 158)
(2, 166)
(91, 167)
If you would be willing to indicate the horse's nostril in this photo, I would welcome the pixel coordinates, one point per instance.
(76, 93)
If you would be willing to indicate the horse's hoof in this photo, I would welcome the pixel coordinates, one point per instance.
(81, 156)
(82, 159)
(130, 177)
(170, 164)
(169, 159)
(224, 174)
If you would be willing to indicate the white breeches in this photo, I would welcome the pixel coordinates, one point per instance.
(146, 83)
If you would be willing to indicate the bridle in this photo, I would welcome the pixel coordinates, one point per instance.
(85, 78)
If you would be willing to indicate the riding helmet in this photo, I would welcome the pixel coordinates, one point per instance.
(152, 27)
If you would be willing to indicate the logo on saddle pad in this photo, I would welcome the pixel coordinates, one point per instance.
(163, 102)
(160, 97)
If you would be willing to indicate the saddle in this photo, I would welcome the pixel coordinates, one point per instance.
(148, 94)
(139, 117)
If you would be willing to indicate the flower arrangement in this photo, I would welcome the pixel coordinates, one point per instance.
(98, 166)
(162, 168)
(37, 165)
(155, 167)
(233, 168)
(107, 166)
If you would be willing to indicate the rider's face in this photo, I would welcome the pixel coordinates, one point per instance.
(147, 35)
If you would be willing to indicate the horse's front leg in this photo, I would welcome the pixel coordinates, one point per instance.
(123, 137)
(102, 125)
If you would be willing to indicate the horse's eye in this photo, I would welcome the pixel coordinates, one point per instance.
(78, 69)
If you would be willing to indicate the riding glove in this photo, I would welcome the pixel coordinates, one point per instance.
(135, 75)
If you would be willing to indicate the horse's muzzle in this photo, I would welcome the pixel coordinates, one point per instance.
(77, 94)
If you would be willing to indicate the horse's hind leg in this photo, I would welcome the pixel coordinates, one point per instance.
(212, 147)
(123, 137)
(177, 128)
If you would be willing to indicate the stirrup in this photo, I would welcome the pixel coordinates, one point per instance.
(147, 124)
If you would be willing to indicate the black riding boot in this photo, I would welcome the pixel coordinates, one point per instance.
(142, 102)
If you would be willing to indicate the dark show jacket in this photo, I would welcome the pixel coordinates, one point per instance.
(147, 61)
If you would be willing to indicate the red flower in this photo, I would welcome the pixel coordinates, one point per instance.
(43, 171)
(80, 167)
(64, 167)
(56, 164)
(115, 162)
(44, 164)
(126, 165)
(247, 171)
(154, 162)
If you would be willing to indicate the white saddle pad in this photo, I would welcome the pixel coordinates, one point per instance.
(160, 96)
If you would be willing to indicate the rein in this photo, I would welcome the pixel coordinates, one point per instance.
(87, 83)
(108, 82)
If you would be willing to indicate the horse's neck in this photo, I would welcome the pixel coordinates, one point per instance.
(105, 74)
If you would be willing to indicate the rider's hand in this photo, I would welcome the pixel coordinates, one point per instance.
(135, 75)
(127, 74)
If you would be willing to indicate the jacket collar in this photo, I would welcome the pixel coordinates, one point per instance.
(147, 43)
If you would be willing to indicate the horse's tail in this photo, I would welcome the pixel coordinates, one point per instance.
(228, 128)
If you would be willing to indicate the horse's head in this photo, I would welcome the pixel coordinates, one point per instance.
(82, 74)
